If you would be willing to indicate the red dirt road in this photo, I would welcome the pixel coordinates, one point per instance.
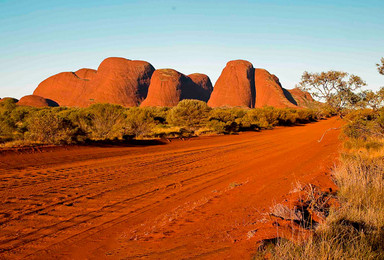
(186, 199)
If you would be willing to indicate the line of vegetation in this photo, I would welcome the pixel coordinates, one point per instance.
(21, 125)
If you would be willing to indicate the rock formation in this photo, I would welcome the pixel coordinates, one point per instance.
(13, 100)
(86, 73)
(235, 86)
(36, 101)
(117, 80)
(131, 83)
(269, 91)
(121, 81)
(65, 88)
(302, 98)
(169, 86)
(204, 85)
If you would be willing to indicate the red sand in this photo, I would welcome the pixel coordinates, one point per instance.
(194, 198)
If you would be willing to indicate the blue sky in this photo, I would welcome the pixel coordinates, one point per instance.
(42, 38)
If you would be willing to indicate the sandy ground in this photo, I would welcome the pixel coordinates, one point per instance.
(196, 198)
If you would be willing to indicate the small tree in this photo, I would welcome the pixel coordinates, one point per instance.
(336, 88)
(106, 121)
(189, 113)
(139, 122)
(45, 126)
(369, 98)
(380, 66)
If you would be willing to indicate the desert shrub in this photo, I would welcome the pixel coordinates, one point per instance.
(159, 114)
(189, 113)
(322, 110)
(139, 121)
(103, 121)
(45, 126)
(286, 116)
(223, 120)
(13, 119)
(266, 117)
(306, 115)
(364, 124)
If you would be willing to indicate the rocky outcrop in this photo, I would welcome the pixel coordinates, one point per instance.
(86, 73)
(65, 88)
(235, 86)
(303, 98)
(36, 101)
(121, 81)
(204, 86)
(269, 91)
(131, 83)
(117, 80)
(241, 85)
(168, 87)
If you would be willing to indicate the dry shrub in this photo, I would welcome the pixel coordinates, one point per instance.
(105, 121)
(139, 122)
(45, 126)
(189, 113)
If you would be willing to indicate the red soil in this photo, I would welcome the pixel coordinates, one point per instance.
(195, 198)
(36, 101)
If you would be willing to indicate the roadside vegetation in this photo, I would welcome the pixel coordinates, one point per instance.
(353, 228)
(21, 125)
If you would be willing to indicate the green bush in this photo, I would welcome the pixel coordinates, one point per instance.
(13, 119)
(257, 118)
(103, 121)
(140, 121)
(364, 124)
(189, 113)
(224, 120)
(45, 126)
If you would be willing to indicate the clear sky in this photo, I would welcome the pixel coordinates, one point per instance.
(41, 38)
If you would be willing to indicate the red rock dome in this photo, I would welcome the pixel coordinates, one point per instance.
(168, 87)
(36, 101)
(121, 81)
(66, 88)
(235, 86)
(86, 73)
(303, 98)
(204, 85)
(269, 91)
(117, 80)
